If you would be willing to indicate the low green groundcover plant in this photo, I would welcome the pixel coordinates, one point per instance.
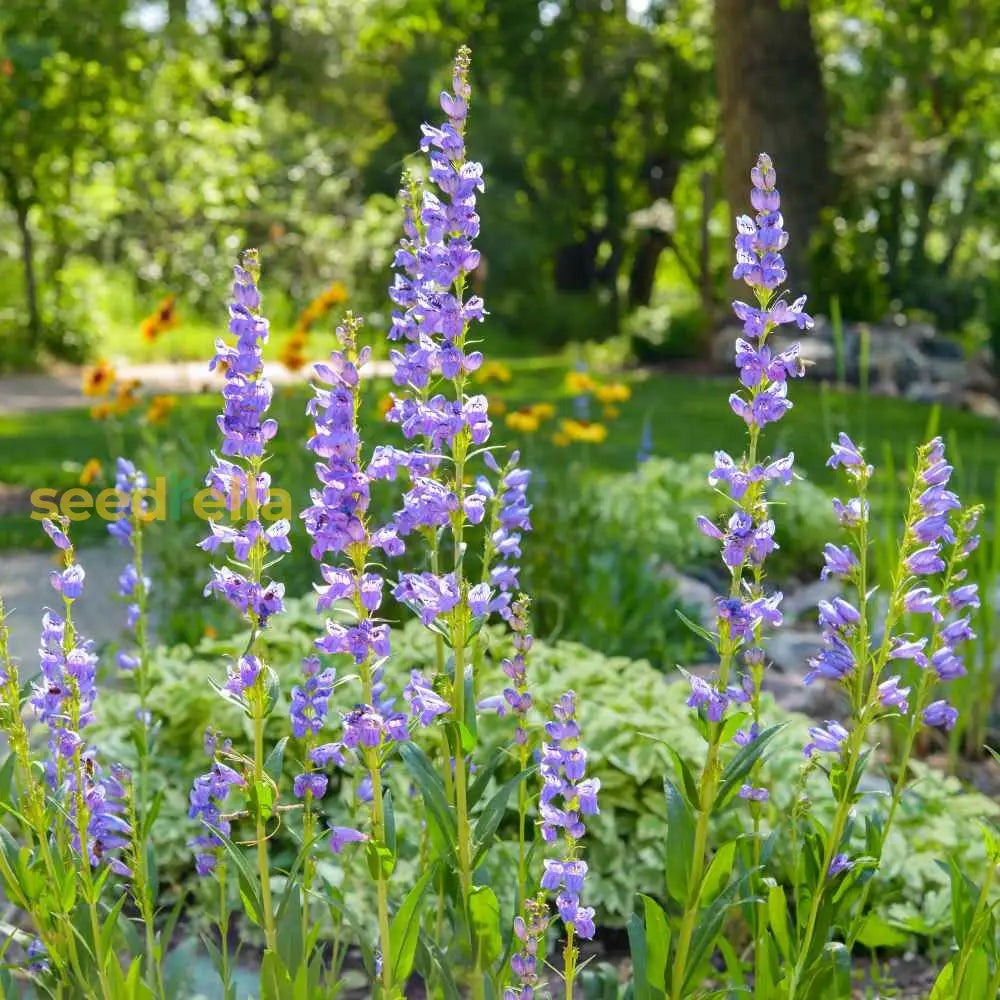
(453, 799)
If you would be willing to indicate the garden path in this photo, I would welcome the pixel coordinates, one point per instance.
(60, 388)
(24, 583)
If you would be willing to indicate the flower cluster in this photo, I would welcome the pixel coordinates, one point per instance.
(747, 538)
(516, 697)
(435, 255)
(567, 796)
(246, 429)
(63, 699)
(935, 525)
(525, 962)
(206, 801)
(337, 522)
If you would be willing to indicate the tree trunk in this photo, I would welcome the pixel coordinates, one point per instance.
(21, 205)
(28, 266)
(772, 101)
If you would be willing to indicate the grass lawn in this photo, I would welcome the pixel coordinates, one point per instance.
(686, 414)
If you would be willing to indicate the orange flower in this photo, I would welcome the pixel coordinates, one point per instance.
(164, 318)
(320, 306)
(385, 404)
(90, 472)
(613, 392)
(160, 408)
(126, 397)
(293, 356)
(97, 380)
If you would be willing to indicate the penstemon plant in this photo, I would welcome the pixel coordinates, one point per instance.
(938, 537)
(775, 913)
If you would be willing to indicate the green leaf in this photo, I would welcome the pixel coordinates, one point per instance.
(777, 916)
(876, 932)
(742, 763)
(657, 945)
(249, 888)
(680, 842)
(712, 640)
(943, 985)
(405, 929)
(275, 760)
(390, 821)
(484, 912)
(491, 816)
(637, 949)
(289, 931)
(717, 876)
(440, 817)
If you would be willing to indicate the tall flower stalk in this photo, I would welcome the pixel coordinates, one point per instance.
(337, 521)
(244, 489)
(927, 581)
(747, 538)
(449, 428)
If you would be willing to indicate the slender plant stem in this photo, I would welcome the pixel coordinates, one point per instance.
(263, 865)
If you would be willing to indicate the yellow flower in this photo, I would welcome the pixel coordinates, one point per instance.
(493, 371)
(560, 440)
(543, 411)
(611, 412)
(523, 420)
(90, 472)
(584, 430)
(160, 408)
(385, 404)
(497, 407)
(101, 411)
(97, 380)
(579, 382)
(613, 392)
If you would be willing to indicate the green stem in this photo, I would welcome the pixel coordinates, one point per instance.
(263, 866)
(382, 886)
(570, 954)
(709, 781)
(982, 905)
(223, 929)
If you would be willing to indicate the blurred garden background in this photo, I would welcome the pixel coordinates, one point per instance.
(143, 143)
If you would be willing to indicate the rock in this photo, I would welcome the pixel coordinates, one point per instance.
(803, 600)
(981, 372)
(817, 700)
(789, 649)
(982, 404)
(693, 594)
(926, 391)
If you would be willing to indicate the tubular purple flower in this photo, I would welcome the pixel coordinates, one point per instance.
(562, 770)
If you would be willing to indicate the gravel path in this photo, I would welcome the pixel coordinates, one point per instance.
(24, 583)
(60, 388)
